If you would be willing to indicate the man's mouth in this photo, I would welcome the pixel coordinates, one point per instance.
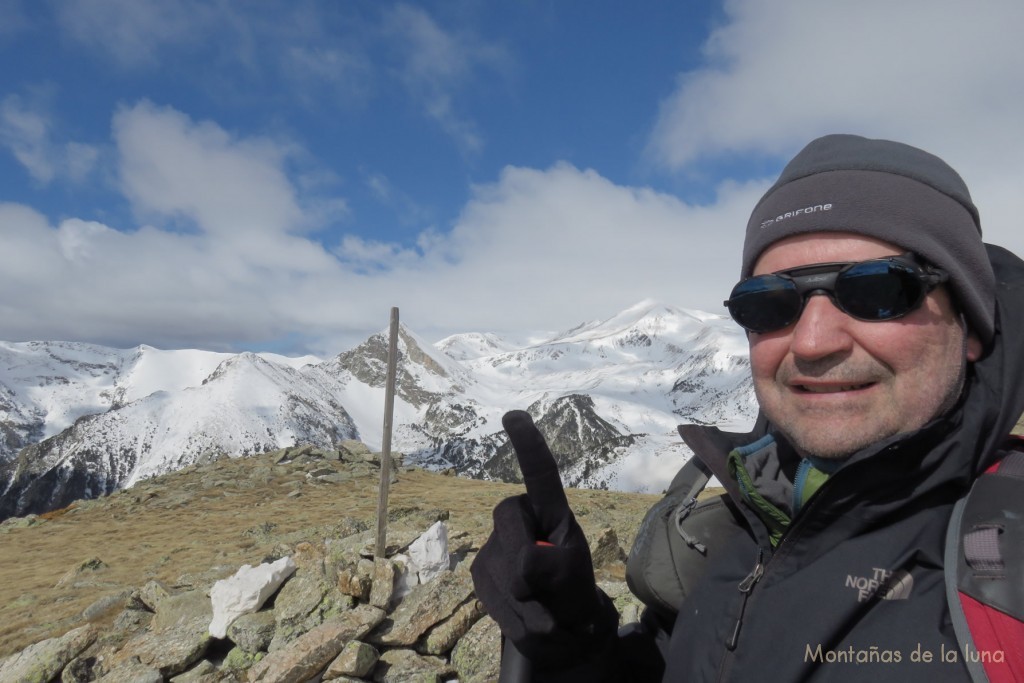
(830, 388)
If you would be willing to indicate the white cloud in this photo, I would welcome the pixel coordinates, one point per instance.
(26, 134)
(171, 166)
(80, 159)
(533, 250)
(26, 130)
(547, 249)
(239, 271)
(321, 53)
(352, 58)
(536, 249)
(225, 254)
(779, 74)
(133, 32)
(436, 64)
(943, 75)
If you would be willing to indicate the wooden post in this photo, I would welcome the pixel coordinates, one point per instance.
(385, 448)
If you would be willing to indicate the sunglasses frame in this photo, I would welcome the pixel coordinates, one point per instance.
(821, 278)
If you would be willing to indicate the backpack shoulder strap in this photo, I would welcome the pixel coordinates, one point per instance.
(674, 541)
(984, 568)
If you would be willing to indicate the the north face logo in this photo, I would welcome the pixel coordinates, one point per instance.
(882, 585)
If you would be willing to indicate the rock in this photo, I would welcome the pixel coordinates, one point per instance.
(203, 672)
(188, 610)
(424, 607)
(318, 472)
(445, 635)
(383, 583)
(309, 557)
(133, 671)
(354, 451)
(356, 581)
(628, 605)
(105, 605)
(45, 660)
(79, 670)
(403, 666)
(316, 649)
(606, 549)
(335, 478)
(429, 553)
(300, 606)
(240, 660)
(81, 573)
(152, 594)
(177, 638)
(253, 632)
(20, 522)
(476, 658)
(309, 630)
(364, 543)
(356, 660)
(246, 592)
(130, 620)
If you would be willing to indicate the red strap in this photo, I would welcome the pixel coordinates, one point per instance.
(998, 641)
(1015, 445)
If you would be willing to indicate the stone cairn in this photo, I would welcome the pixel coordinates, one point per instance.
(319, 612)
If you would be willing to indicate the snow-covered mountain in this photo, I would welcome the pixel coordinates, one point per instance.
(79, 420)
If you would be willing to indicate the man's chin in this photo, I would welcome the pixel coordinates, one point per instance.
(829, 441)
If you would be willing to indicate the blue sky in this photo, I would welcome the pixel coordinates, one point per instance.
(275, 175)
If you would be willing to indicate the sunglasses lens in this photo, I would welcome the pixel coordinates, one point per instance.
(765, 303)
(879, 290)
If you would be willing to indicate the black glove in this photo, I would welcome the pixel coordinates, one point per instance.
(534, 574)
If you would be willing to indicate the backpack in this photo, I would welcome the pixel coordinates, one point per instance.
(984, 563)
(984, 567)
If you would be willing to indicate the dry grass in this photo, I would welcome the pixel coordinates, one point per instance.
(183, 523)
(180, 524)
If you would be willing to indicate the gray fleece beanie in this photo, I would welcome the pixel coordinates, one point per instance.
(889, 191)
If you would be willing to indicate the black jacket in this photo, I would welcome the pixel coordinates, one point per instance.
(855, 590)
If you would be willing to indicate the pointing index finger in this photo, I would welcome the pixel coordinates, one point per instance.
(540, 472)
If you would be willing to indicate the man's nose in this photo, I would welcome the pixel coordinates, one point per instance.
(822, 329)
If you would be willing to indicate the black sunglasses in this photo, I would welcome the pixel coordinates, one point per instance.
(875, 290)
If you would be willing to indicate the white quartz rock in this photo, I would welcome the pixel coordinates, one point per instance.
(246, 592)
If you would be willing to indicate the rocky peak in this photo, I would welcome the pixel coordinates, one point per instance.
(581, 440)
(422, 376)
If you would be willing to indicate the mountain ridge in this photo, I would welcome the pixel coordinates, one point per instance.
(108, 418)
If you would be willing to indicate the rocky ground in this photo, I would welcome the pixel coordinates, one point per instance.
(118, 588)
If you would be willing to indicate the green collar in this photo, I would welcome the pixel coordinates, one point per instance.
(809, 478)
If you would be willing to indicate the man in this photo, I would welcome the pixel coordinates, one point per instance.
(883, 351)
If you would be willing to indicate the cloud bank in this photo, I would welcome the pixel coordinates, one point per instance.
(228, 249)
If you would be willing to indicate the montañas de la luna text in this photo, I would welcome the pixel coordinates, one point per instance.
(878, 655)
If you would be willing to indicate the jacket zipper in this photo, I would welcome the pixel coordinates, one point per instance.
(745, 587)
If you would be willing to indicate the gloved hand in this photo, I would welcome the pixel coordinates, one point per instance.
(534, 574)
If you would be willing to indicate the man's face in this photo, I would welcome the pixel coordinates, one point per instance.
(833, 384)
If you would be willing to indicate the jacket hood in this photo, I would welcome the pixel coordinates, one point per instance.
(994, 395)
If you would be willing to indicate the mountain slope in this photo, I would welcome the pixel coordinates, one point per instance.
(645, 370)
(84, 420)
(247, 405)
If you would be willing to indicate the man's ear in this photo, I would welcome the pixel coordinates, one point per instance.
(974, 347)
